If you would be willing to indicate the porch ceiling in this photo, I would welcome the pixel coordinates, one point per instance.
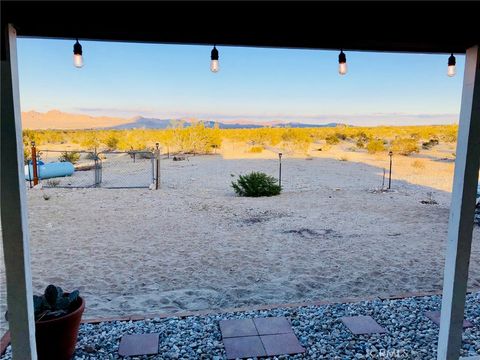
(425, 27)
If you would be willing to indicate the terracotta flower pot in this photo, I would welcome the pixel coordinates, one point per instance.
(56, 338)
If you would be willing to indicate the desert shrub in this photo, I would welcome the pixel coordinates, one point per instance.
(429, 144)
(256, 149)
(332, 139)
(362, 139)
(375, 146)
(112, 142)
(405, 146)
(341, 136)
(53, 182)
(296, 140)
(256, 184)
(450, 134)
(90, 140)
(95, 156)
(91, 156)
(418, 164)
(360, 143)
(72, 157)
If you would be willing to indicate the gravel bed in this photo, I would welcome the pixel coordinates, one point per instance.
(410, 334)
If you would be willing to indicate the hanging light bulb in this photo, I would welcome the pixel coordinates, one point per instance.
(451, 66)
(342, 63)
(77, 55)
(214, 66)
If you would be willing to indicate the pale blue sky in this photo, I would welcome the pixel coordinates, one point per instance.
(174, 81)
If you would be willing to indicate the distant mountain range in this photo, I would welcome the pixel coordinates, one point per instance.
(152, 123)
(56, 119)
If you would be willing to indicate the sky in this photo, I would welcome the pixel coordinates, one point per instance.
(257, 84)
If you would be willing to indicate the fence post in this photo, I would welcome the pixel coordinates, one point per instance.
(157, 160)
(97, 170)
(29, 173)
(390, 153)
(280, 169)
(34, 164)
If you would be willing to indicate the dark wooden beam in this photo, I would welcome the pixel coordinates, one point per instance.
(427, 27)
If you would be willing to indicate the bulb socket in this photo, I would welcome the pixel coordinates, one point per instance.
(214, 54)
(451, 60)
(342, 59)
(77, 48)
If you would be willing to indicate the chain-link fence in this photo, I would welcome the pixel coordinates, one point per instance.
(82, 175)
(83, 169)
(131, 169)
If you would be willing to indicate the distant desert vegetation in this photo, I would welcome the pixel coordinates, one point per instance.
(199, 139)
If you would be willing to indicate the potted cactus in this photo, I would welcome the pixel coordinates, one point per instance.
(57, 320)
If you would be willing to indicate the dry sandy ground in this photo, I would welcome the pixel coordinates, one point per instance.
(195, 245)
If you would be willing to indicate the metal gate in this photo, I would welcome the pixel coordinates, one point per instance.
(126, 169)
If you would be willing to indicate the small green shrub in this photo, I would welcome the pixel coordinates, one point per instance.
(405, 146)
(256, 184)
(256, 149)
(71, 156)
(375, 146)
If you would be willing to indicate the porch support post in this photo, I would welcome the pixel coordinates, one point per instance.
(462, 209)
(13, 208)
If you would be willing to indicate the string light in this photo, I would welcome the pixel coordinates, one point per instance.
(77, 55)
(342, 63)
(451, 66)
(214, 65)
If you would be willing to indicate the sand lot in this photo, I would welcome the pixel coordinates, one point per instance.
(194, 245)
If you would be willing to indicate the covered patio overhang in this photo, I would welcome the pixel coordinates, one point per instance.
(440, 27)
